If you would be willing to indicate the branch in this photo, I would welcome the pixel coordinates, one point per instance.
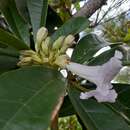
(89, 8)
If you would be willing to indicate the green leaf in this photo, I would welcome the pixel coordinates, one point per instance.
(122, 104)
(9, 51)
(72, 26)
(96, 116)
(103, 57)
(8, 59)
(10, 40)
(67, 108)
(7, 63)
(22, 9)
(38, 13)
(87, 47)
(17, 24)
(28, 97)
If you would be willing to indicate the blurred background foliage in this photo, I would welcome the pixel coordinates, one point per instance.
(117, 30)
(69, 123)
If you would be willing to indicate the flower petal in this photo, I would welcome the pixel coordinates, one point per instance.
(109, 97)
(100, 74)
(90, 73)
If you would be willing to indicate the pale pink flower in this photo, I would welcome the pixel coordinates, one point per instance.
(101, 75)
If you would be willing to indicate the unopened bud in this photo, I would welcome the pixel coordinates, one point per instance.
(51, 56)
(58, 43)
(45, 60)
(48, 42)
(36, 58)
(67, 43)
(69, 40)
(27, 52)
(45, 46)
(24, 61)
(62, 61)
(41, 35)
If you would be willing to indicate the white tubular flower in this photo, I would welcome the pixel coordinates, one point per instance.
(101, 75)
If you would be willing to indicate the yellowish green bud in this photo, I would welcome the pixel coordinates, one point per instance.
(24, 61)
(27, 52)
(45, 60)
(36, 58)
(63, 49)
(41, 35)
(48, 41)
(67, 43)
(62, 61)
(58, 43)
(69, 40)
(45, 46)
(51, 56)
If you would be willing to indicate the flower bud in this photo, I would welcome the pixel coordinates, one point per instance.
(36, 58)
(41, 35)
(45, 60)
(27, 52)
(24, 61)
(51, 56)
(69, 40)
(67, 43)
(62, 61)
(45, 46)
(58, 43)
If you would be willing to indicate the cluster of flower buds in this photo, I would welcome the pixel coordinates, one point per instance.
(47, 52)
(54, 54)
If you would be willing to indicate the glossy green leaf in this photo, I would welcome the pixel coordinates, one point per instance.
(10, 40)
(96, 116)
(7, 63)
(105, 56)
(122, 104)
(38, 13)
(22, 9)
(17, 24)
(87, 47)
(9, 51)
(72, 26)
(102, 58)
(28, 97)
(8, 59)
(67, 108)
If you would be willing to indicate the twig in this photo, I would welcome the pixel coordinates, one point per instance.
(89, 8)
(54, 117)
